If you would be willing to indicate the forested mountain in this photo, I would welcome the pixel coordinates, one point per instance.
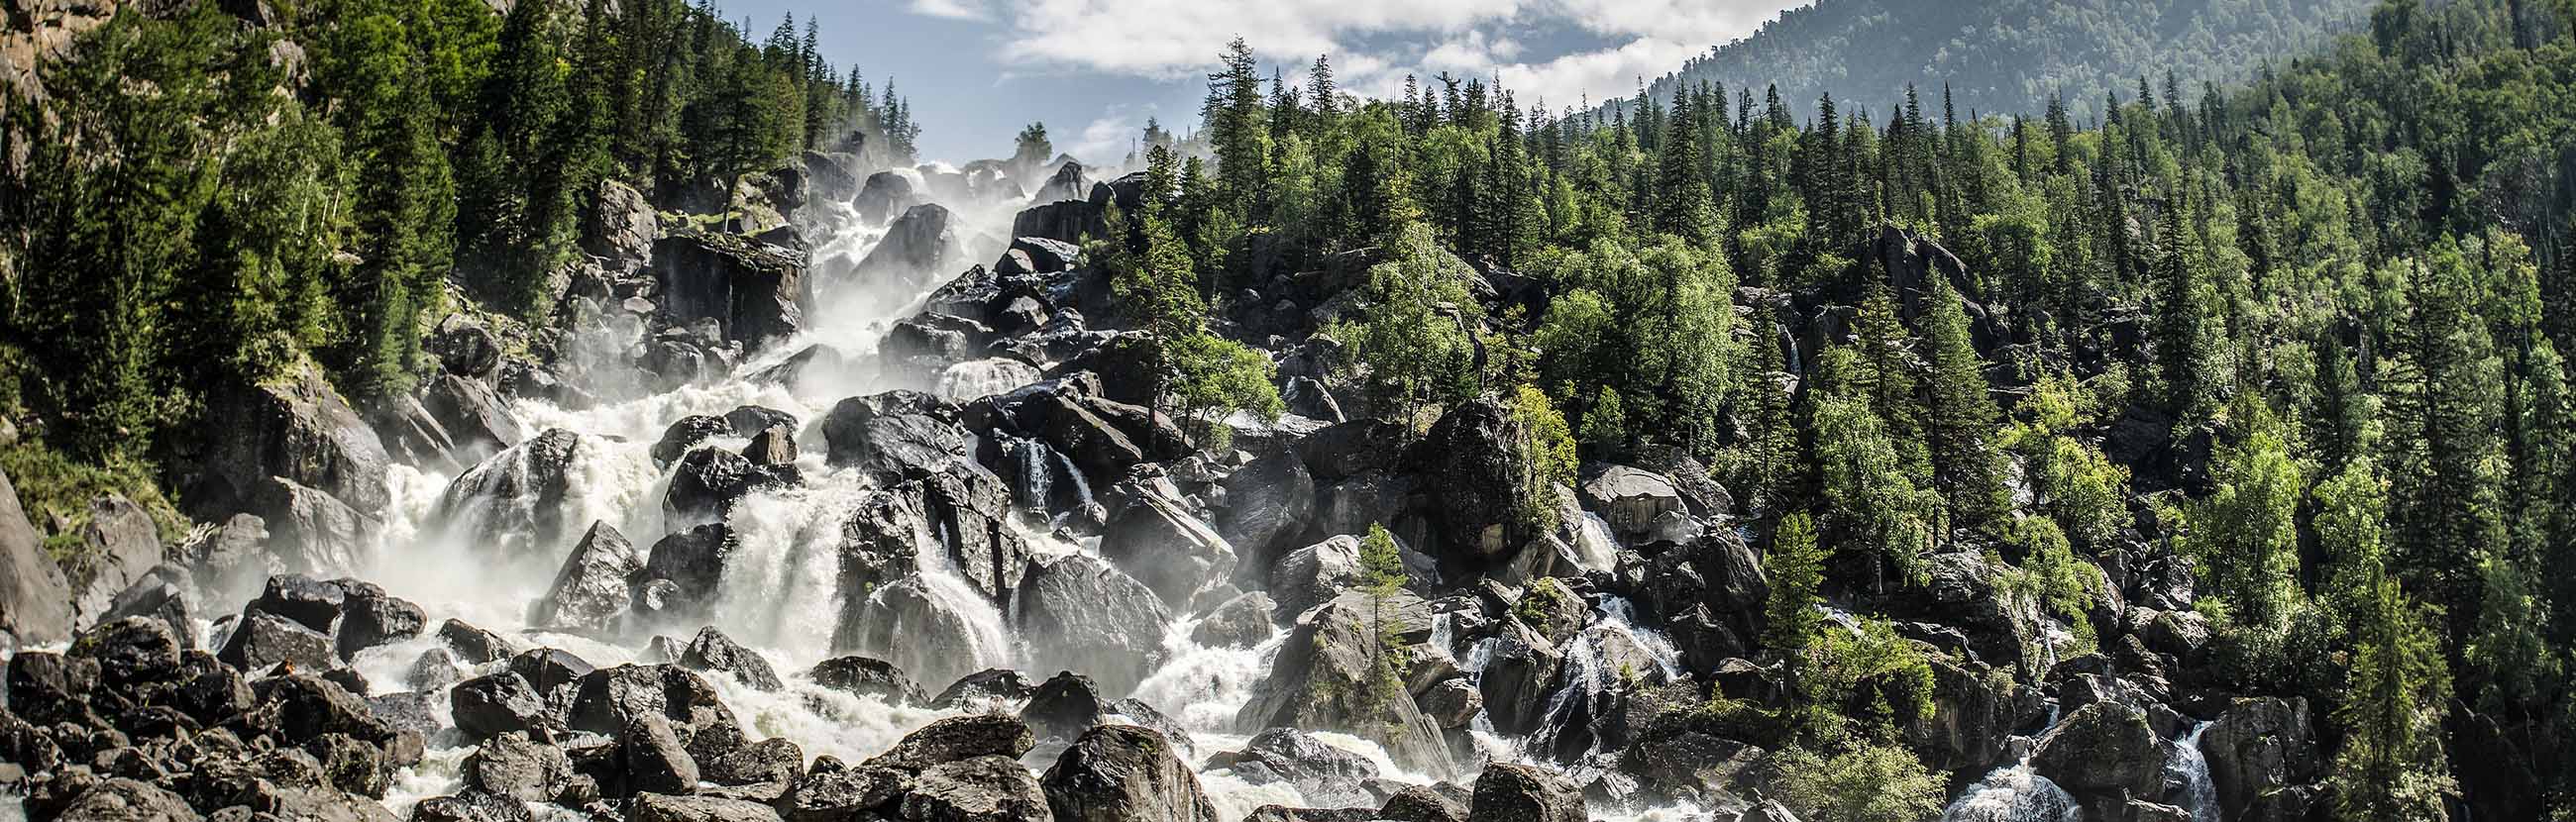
(2014, 56)
(2206, 457)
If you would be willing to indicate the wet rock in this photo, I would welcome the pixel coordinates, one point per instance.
(1064, 706)
(981, 789)
(512, 765)
(1305, 397)
(612, 700)
(773, 447)
(1077, 611)
(1521, 793)
(753, 291)
(298, 428)
(128, 800)
(1349, 449)
(1452, 704)
(471, 413)
(1477, 475)
(1317, 573)
(591, 589)
(884, 195)
(769, 760)
(309, 602)
(1353, 504)
(827, 795)
(1639, 505)
(985, 687)
(117, 546)
(686, 434)
(655, 807)
(957, 738)
(137, 657)
(917, 246)
(1066, 221)
(1970, 723)
(550, 669)
(711, 650)
(309, 707)
(263, 640)
(709, 481)
(1323, 774)
(2260, 749)
(747, 420)
(621, 228)
(370, 617)
(494, 704)
(158, 596)
(657, 761)
(1167, 549)
(1320, 680)
(518, 498)
(470, 806)
(1241, 621)
(2103, 749)
(894, 436)
(693, 561)
(868, 676)
(35, 599)
(1122, 773)
(465, 347)
(1268, 504)
(474, 645)
(908, 624)
(214, 692)
(1421, 803)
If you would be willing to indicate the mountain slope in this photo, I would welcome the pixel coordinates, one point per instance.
(2004, 56)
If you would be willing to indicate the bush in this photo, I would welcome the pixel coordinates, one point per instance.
(1868, 783)
(55, 489)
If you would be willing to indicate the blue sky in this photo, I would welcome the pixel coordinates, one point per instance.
(1094, 70)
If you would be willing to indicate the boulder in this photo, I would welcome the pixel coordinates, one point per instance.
(707, 483)
(1154, 540)
(470, 806)
(1320, 679)
(370, 617)
(466, 347)
(1242, 621)
(686, 434)
(1422, 803)
(263, 640)
(693, 562)
(957, 738)
(2259, 749)
(774, 447)
(494, 704)
(829, 794)
(35, 600)
(711, 650)
(918, 246)
(1123, 773)
(517, 499)
(474, 645)
(621, 229)
(137, 657)
(1268, 504)
(512, 765)
(907, 623)
(158, 596)
(1476, 472)
(1029, 255)
(773, 760)
(980, 789)
(1507, 792)
(894, 436)
(2105, 749)
(471, 412)
(656, 807)
(296, 427)
(1077, 611)
(985, 688)
(831, 176)
(1342, 451)
(753, 291)
(310, 531)
(550, 670)
(1323, 774)
(885, 194)
(117, 545)
(590, 591)
(867, 676)
(127, 800)
(1064, 706)
(1066, 221)
(613, 700)
(1317, 573)
(1639, 505)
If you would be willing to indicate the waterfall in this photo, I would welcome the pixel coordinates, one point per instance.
(2016, 792)
(977, 379)
(1594, 547)
(2187, 782)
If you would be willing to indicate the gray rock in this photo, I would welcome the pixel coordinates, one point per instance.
(957, 738)
(2259, 749)
(754, 292)
(1323, 774)
(370, 617)
(2103, 749)
(868, 676)
(1123, 773)
(35, 599)
(981, 789)
(117, 546)
(590, 591)
(894, 436)
(656, 807)
(622, 228)
(1242, 621)
(298, 428)
(1317, 573)
(711, 650)
(262, 640)
(1320, 680)
(471, 412)
(1521, 793)
(512, 765)
(1268, 504)
(1159, 544)
(1077, 611)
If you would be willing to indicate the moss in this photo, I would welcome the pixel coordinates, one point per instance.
(56, 492)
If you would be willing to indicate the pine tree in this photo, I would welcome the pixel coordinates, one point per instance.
(2391, 767)
(1962, 425)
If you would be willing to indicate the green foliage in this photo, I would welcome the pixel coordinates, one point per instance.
(1382, 577)
(1546, 457)
(2243, 538)
(1795, 568)
(1961, 426)
(2391, 765)
(1411, 336)
(2072, 480)
(1871, 503)
(1869, 782)
(1218, 378)
(56, 489)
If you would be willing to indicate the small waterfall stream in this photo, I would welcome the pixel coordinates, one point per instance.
(2187, 783)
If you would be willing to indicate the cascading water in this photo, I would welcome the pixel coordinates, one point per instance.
(2187, 776)
(2016, 792)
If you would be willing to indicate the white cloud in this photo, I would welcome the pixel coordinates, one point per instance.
(1373, 43)
(1105, 141)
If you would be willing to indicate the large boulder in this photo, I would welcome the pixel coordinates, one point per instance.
(262, 640)
(471, 412)
(35, 600)
(495, 704)
(1639, 505)
(920, 245)
(513, 765)
(614, 700)
(1323, 774)
(517, 499)
(296, 426)
(622, 228)
(2105, 749)
(1123, 773)
(590, 590)
(1321, 680)
(127, 800)
(683, 572)
(370, 617)
(884, 195)
(868, 676)
(658, 807)
(1477, 471)
(910, 623)
(711, 650)
(117, 545)
(2258, 750)
(894, 436)
(981, 789)
(312, 532)
(1078, 612)
(1317, 573)
(754, 292)
(1172, 552)
(1068, 221)
(957, 738)
(1508, 792)
(1268, 504)
(709, 481)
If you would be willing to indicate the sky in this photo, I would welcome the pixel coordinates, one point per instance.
(1093, 71)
